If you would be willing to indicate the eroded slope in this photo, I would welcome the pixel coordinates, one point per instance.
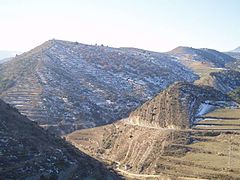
(141, 152)
(178, 106)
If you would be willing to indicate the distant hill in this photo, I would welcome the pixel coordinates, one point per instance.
(66, 86)
(5, 60)
(235, 54)
(237, 50)
(8, 54)
(28, 151)
(215, 58)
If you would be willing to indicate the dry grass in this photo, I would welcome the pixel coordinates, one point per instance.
(201, 69)
(223, 122)
(225, 113)
(219, 155)
(209, 154)
(224, 119)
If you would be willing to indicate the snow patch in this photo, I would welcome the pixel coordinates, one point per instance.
(205, 108)
(209, 106)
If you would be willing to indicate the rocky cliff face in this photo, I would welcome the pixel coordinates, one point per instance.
(66, 86)
(28, 151)
(178, 106)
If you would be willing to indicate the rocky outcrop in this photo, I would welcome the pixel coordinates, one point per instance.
(177, 106)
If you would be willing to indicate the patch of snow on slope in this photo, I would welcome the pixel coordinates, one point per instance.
(205, 108)
(209, 106)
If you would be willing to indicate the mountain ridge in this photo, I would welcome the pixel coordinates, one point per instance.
(66, 85)
(204, 55)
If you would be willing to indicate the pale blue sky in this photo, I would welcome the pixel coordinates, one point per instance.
(158, 25)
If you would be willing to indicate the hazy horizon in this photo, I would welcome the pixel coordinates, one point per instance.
(157, 25)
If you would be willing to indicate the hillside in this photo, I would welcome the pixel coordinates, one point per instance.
(66, 86)
(186, 131)
(234, 65)
(235, 55)
(178, 106)
(28, 151)
(206, 56)
(215, 69)
(140, 152)
(5, 60)
(224, 81)
(237, 50)
(235, 94)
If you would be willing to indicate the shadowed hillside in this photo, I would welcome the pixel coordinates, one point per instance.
(28, 151)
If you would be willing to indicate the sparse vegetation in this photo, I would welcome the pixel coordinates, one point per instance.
(151, 151)
(235, 95)
(28, 151)
(5, 83)
(85, 85)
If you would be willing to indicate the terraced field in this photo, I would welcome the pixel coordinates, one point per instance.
(213, 155)
(220, 119)
(142, 152)
(209, 148)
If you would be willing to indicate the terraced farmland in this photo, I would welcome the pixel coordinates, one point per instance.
(220, 119)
